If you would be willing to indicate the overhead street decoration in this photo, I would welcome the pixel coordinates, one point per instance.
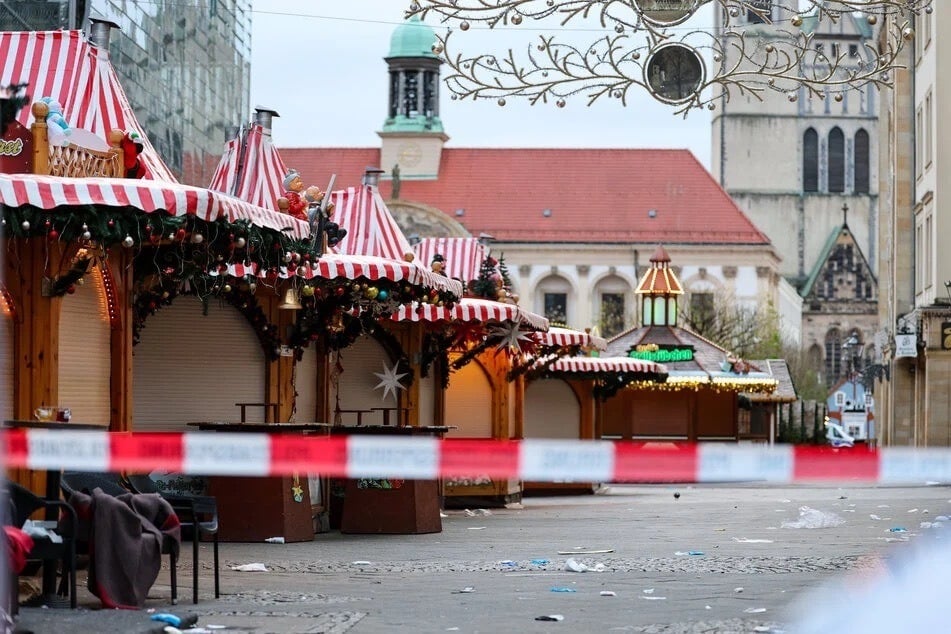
(757, 47)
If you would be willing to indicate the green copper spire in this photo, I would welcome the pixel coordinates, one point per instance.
(414, 80)
(412, 39)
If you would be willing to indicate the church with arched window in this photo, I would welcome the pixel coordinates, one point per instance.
(793, 163)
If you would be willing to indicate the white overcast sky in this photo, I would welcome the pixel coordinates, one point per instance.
(319, 63)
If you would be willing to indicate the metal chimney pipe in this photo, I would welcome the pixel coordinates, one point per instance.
(99, 31)
(263, 116)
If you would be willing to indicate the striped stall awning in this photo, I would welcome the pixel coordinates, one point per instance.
(472, 310)
(371, 229)
(605, 365)
(464, 256)
(149, 196)
(351, 267)
(225, 178)
(565, 337)
(66, 67)
(261, 172)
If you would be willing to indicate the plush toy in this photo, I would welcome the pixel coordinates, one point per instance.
(131, 145)
(57, 126)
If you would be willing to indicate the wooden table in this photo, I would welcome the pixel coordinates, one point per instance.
(252, 509)
(53, 479)
(404, 507)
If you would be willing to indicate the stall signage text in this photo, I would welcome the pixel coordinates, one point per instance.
(661, 353)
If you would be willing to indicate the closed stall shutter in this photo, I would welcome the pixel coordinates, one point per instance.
(6, 363)
(427, 399)
(551, 410)
(361, 363)
(194, 367)
(469, 403)
(85, 359)
(305, 382)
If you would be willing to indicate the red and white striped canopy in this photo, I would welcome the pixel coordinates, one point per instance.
(66, 67)
(472, 310)
(352, 267)
(464, 256)
(371, 229)
(149, 196)
(567, 337)
(252, 169)
(225, 178)
(605, 365)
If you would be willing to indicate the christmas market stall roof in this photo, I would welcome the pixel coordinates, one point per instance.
(785, 389)
(251, 168)
(65, 67)
(463, 257)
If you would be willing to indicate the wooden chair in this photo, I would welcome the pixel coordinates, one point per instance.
(198, 515)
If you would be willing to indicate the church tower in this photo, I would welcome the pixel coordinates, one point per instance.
(794, 162)
(412, 135)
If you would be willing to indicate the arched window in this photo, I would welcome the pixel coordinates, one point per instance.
(833, 356)
(810, 161)
(836, 160)
(861, 162)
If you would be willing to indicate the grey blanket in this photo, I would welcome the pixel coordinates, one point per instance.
(126, 535)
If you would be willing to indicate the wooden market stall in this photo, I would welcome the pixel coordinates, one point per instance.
(699, 399)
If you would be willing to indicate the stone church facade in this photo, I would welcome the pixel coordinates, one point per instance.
(793, 163)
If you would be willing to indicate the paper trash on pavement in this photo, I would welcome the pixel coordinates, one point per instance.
(256, 567)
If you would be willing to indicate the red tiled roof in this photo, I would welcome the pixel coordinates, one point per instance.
(606, 195)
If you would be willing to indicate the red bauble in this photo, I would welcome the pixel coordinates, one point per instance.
(71, 289)
(53, 235)
(153, 306)
(339, 291)
(111, 223)
(180, 235)
(155, 238)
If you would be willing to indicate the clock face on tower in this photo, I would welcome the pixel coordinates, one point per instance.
(409, 154)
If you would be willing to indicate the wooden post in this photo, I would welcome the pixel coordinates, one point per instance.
(119, 264)
(41, 139)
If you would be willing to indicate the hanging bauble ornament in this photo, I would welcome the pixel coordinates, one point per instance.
(307, 291)
(87, 235)
(287, 257)
(252, 287)
(382, 295)
(372, 292)
(111, 223)
(127, 242)
(226, 288)
(197, 238)
(155, 238)
(53, 235)
(240, 242)
(25, 225)
(47, 224)
(71, 289)
(180, 235)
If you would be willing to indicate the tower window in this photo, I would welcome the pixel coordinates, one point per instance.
(810, 161)
(861, 162)
(836, 160)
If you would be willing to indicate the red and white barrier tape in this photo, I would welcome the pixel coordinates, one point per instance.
(429, 458)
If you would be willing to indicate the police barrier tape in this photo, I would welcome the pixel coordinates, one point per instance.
(429, 458)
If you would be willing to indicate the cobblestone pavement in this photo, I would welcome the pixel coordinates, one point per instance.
(715, 559)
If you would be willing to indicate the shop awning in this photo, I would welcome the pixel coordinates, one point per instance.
(472, 310)
(352, 267)
(464, 256)
(605, 366)
(225, 178)
(65, 66)
(149, 196)
(566, 337)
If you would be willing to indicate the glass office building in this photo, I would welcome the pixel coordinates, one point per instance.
(185, 66)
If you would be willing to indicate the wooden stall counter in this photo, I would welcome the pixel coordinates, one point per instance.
(390, 506)
(252, 509)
